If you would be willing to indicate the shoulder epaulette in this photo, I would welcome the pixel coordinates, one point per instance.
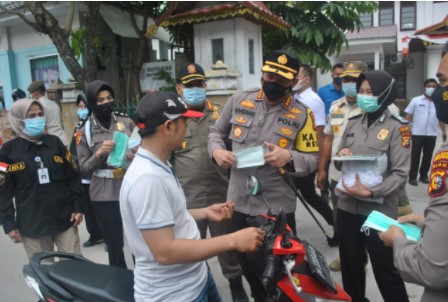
(401, 119)
(355, 116)
(118, 113)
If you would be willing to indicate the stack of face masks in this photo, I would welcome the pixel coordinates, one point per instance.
(249, 157)
(116, 157)
(381, 222)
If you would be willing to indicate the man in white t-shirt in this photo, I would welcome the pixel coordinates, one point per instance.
(306, 185)
(162, 234)
(422, 112)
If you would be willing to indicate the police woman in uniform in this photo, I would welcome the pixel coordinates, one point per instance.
(94, 144)
(375, 132)
(93, 229)
(426, 262)
(39, 172)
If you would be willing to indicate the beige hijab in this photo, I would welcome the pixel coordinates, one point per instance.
(17, 115)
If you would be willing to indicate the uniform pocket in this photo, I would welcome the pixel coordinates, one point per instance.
(240, 127)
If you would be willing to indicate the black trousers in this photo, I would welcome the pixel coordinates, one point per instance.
(109, 220)
(257, 289)
(421, 143)
(307, 186)
(89, 216)
(352, 251)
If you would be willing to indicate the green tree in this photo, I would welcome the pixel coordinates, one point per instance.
(317, 28)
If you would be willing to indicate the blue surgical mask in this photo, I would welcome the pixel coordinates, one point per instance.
(381, 222)
(34, 127)
(429, 91)
(249, 157)
(367, 103)
(349, 89)
(194, 96)
(83, 113)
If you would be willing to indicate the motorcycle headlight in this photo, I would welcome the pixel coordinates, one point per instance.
(34, 285)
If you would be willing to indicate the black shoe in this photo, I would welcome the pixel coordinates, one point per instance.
(424, 179)
(237, 290)
(413, 182)
(91, 242)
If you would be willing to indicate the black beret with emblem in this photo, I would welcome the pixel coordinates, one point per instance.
(191, 72)
(283, 63)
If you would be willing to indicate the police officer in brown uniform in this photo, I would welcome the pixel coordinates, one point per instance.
(426, 262)
(94, 143)
(376, 132)
(203, 182)
(271, 117)
(6, 133)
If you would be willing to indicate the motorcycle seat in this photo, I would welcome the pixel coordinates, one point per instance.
(94, 282)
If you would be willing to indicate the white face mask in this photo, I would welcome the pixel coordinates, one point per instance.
(299, 85)
(429, 91)
(249, 157)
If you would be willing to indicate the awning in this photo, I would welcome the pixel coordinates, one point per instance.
(120, 23)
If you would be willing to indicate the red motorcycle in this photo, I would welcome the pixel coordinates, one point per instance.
(289, 268)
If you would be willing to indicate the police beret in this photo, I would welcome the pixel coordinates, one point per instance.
(35, 86)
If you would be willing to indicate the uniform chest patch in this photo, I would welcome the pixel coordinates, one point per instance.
(237, 132)
(58, 159)
(295, 110)
(241, 120)
(286, 131)
(283, 143)
(120, 126)
(215, 115)
(78, 136)
(16, 167)
(383, 134)
(184, 144)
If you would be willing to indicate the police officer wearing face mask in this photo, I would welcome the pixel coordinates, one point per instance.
(203, 182)
(421, 111)
(426, 262)
(94, 143)
(269, 117)
(375, 132)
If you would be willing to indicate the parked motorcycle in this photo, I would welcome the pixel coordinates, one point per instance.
(77, 279)
(290, 269)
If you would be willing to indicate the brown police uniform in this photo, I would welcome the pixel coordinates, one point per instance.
(105, 180)
(204, 182)
(426, 262)
(6, 133)
(248, 122)
(389, 135)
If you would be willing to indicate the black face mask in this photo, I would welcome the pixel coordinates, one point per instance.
(274, 91)
(103, 112)
(440, 98)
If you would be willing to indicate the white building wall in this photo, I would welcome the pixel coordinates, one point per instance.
(235, 34)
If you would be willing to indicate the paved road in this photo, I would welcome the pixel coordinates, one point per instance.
(13, 257)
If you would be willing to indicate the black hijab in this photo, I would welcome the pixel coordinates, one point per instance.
(383, 86)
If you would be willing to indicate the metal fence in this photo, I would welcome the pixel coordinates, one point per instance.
(126, 106)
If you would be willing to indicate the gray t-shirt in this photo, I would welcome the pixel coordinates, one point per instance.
(151, 198)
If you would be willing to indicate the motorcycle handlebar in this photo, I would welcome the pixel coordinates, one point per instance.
(272, 262)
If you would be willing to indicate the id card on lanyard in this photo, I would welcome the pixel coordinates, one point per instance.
(42, 172)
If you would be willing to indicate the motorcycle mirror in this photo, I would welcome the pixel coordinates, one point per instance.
(253, 186)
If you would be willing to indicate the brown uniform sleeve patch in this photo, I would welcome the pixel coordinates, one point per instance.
(405, 137)
(437, 183)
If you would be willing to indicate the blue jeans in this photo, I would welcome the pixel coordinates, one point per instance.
(210, 292)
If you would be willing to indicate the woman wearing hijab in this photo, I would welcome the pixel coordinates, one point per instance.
(375, 132)
(94, 146)
(37, 170)
(93, 229)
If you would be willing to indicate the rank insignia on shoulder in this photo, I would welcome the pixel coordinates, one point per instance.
(3, 167)
(215, 115)
(184, 144)
(400, 119)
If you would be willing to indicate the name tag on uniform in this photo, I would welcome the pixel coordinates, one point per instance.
(44, 177)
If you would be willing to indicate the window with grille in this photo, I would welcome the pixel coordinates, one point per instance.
(407, 15)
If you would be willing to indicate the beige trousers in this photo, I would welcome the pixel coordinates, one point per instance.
(67, 241)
